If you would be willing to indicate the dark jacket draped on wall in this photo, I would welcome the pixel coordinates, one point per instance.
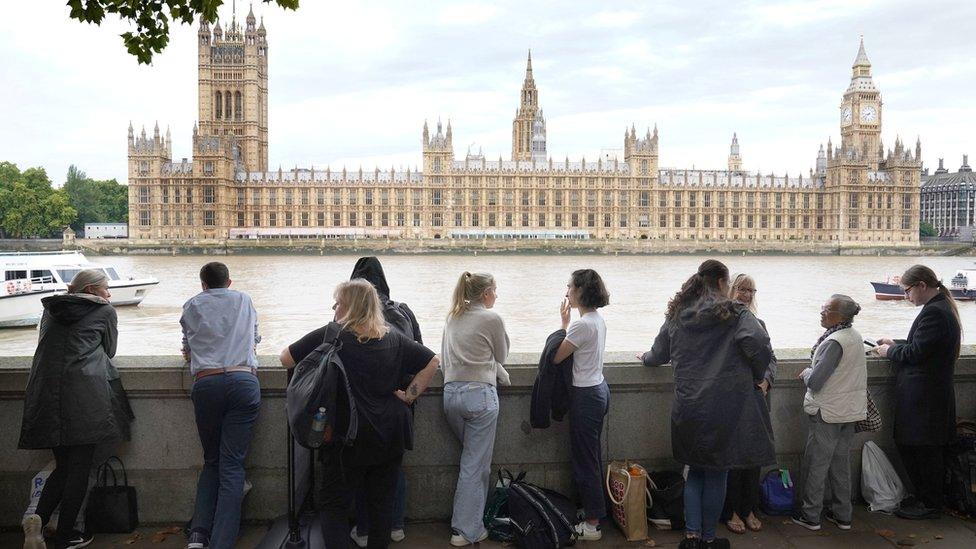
(719, 418)
(550, 392)
(925, 401)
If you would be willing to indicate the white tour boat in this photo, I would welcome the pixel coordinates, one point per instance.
(20, 303)
(54, 270)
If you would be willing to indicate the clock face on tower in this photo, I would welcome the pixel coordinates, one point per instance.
(869, 114)
(845, 115)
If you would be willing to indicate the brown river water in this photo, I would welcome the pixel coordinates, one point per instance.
(293, 295)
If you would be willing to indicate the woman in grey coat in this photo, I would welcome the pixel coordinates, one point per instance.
(69, 405)
(719, 419)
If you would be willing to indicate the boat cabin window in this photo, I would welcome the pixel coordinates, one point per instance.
(67, 274)
(14, 275)
(110, 271)
(41, 274)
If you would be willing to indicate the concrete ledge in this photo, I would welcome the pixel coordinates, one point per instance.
(164, 455)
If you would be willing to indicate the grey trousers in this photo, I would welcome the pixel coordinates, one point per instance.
(827, 458)
(471, 409)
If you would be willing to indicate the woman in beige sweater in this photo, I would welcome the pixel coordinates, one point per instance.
(473, 350)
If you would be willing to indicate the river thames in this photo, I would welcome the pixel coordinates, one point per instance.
(293, 295)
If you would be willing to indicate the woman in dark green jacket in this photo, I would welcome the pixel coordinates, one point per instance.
(69, 405)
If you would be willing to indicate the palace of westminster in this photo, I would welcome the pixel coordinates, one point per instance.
(858, 195)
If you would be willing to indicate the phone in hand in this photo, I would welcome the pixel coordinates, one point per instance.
(870, 343)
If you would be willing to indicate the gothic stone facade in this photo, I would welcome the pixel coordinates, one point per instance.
(858, 195)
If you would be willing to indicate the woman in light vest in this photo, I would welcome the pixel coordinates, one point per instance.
(836, 399)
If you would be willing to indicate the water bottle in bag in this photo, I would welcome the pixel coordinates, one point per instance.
(318, 428)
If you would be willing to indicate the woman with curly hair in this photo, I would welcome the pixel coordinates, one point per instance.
(719, 419)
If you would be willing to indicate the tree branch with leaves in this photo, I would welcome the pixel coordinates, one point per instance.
(151, 19)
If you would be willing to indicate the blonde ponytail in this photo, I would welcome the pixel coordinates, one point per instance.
(470, 288)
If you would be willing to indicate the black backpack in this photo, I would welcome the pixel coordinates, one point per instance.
(539, 518)
(319, 381)
(666, 500)
(960, 479)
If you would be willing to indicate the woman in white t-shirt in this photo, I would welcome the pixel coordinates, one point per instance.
(590, 396)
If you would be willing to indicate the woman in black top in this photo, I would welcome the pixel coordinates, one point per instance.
(925, 401)
(376, 359)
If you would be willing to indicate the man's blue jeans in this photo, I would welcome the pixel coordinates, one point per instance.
(226, 407)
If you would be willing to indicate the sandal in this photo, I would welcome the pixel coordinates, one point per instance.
(735, 525)
(753, 523)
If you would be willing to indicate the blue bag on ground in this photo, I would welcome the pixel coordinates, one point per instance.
(777, 493)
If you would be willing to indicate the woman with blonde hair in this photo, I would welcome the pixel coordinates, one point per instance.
(70, 405)
(925, 399)
(376, 358)
(473, 350)
(742, 486)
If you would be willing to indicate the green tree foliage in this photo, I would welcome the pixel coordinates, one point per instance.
(151, 19)
(926, 229)
(97, 201)
(29, 206)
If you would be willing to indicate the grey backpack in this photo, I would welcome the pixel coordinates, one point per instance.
(319, 381)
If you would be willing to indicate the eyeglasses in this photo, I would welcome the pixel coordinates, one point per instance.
(747, 290)
(908, 289)
(826, 310)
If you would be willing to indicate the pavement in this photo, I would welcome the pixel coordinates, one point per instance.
(869, 531)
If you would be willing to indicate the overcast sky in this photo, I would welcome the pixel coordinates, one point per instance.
(351, 83)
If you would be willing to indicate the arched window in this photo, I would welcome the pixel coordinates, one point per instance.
(238, 106)
(228, 105)
(218, 105)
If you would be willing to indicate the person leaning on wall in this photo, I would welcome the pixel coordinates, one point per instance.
(925, 399)
(69, 405)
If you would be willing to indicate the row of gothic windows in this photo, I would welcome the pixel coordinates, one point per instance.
(228, 105)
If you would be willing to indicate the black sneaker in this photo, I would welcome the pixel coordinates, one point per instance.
(842, 524)
(797, 519)
(917, 511)
(690, 543)
(77, 539)
(197, 540)
(717, 543)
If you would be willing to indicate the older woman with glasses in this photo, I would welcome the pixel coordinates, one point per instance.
(742, 487)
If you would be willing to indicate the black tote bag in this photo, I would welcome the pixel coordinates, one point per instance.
(112, 509)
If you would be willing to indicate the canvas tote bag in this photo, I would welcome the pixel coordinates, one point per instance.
(626, 484)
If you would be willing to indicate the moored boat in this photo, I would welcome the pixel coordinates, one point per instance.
(889, 290)
(54, 270)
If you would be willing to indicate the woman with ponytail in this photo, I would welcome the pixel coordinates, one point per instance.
(473, 351)
(719, 420)
(925, 402)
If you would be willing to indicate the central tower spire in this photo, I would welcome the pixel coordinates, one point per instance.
(528, 128)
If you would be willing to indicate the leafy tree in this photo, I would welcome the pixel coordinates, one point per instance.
(96, 201)
(926, 229)
(29, 207)
(151, 19)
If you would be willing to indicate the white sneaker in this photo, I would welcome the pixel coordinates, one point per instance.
(360, 541)
(588, 532)
(33, 538)
(457, 540)
(397, 534)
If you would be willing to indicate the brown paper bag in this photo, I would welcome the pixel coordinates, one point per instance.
(626, 482)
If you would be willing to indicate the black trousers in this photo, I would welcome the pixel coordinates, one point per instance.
(741, 493)
(342, 473)
(925, 466)
(67, 485)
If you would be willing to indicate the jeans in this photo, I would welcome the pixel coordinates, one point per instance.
(226, 407)
(399, 506)
(67, 485)
(342, 472)
(588, 407)
(704, 496)
(925, 466)
(471, 409)
(741, 493)
(827, 457)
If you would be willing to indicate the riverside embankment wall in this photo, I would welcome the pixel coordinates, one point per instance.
(163, 457)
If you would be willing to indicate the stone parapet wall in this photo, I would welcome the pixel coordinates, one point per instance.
(164, 455)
